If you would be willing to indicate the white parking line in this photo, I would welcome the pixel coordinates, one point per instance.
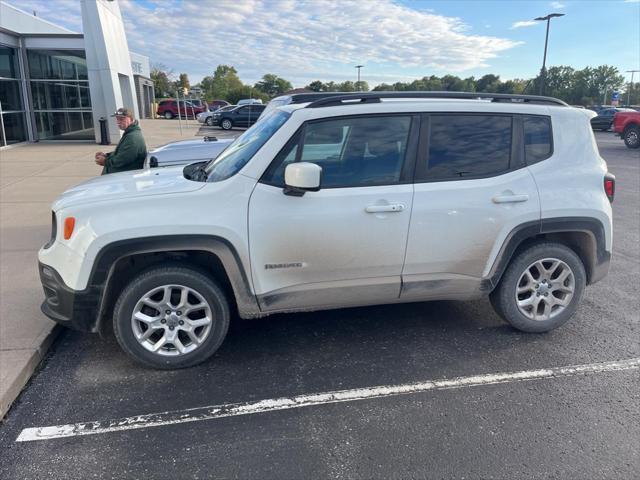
(285, 403)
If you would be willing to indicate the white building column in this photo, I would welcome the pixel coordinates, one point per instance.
(108, 63)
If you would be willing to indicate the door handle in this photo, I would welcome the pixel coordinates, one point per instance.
(510, 198)
(393, 207)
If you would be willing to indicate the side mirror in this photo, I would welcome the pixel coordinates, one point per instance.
(302, 177)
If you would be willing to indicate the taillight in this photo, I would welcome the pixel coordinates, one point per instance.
(69, 225)
(610, 186)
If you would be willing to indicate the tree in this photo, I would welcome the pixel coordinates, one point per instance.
(361, 86)
(183, 81)
(162, 80)
(488, 83)
(245, 91)
(224, 79)
(273, 85)
(316, 86)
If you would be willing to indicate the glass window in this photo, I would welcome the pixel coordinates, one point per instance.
(353, 152)
(14, 127)
(538, 142)
(64, 125)
(57, 64)
(9, 62)
(10, 95)
(468, 146)
(236, 155)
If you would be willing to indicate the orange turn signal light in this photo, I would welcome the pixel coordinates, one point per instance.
(69, 224)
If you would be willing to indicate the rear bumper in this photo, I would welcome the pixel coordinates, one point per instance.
(71, 308)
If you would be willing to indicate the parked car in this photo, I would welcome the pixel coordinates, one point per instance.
(185, 152)
(169, 109)
(217, 104)
(293, 98)
(604, 120)
(207, 117)
(250, 101)
(241, 116)
(627, 126)
(344, 201)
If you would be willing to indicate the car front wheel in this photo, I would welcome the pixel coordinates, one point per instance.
(631, 137)
(168, 115)
(171, 317)
(209, 121)
(541, 288)
(226, 124)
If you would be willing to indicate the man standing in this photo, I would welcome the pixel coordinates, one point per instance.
(131, 150)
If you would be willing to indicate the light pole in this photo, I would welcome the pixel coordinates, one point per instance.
(359, 67)
(543, 71)
(630, 86)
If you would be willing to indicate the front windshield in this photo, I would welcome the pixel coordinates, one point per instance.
(236, 155)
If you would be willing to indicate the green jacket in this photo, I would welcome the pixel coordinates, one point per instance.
(130, 152)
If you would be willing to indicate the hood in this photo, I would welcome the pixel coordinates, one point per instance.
(196, 142)
(123, 185)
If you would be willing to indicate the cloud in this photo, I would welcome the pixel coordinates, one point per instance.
(557, 5)
(525, 23)
(294, 38)
(631, 1)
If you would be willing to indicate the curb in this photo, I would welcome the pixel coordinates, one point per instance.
(9, 393)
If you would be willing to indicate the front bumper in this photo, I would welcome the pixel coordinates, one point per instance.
(68, 307)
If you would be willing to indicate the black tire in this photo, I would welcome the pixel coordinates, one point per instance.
(145, 282)
(168, 115)
(226, 124)
(631, 137)
(209, 121)
(503, 298)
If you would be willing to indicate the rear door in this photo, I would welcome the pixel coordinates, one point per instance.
(344, 244)
(472, 189)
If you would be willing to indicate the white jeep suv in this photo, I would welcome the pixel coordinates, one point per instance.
(374, 198)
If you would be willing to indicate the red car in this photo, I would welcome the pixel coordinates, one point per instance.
(627, 126)
(169, 109)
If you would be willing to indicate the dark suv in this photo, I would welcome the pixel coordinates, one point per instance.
(604, 120)
(241, 116)
(169, 109)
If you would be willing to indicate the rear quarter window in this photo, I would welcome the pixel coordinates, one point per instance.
(538, 138)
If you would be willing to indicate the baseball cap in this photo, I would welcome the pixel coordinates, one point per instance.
(123, 112)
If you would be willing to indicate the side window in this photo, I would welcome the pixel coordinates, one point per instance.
(538, 140)
(352, 151)
(468, 146)
(244, 110)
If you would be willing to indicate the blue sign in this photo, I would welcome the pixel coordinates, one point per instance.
(615, 96)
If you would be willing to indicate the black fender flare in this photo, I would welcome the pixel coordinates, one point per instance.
(111, 254)
(597, 266)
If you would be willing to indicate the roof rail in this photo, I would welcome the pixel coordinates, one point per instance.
(376, 97)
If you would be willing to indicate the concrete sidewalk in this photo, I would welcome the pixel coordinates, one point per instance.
(31, 177)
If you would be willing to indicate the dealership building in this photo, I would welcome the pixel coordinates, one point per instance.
(56, 84)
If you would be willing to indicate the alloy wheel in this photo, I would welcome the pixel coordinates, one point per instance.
(545, 289)
(171, 320)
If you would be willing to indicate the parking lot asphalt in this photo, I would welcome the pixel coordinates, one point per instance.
(545, 424)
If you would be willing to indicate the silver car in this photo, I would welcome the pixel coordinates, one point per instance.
(185, 152)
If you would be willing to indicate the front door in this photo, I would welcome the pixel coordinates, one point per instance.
(344, 244)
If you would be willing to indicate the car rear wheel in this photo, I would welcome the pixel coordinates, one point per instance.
(541, 288)
(226, 124)
(168, 115)
(631, 137)
(171, 317)
(209, 121)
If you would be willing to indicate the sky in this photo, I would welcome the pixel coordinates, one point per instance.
(395, 40)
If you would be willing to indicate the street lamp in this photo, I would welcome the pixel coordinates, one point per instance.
(630, 86)
(546, 40)
(359, 67)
